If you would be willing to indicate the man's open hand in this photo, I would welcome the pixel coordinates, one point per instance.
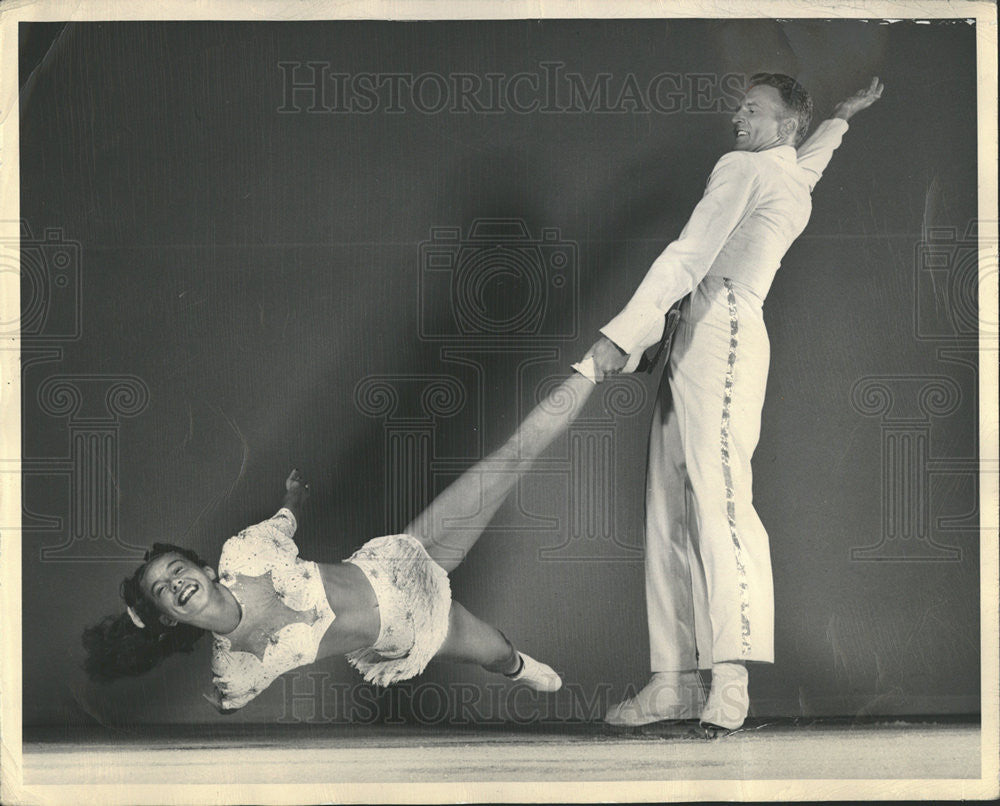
(862, 99)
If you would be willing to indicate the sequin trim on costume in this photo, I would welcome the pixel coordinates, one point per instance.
(734, 330)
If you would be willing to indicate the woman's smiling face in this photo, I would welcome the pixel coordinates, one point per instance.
(179, 588)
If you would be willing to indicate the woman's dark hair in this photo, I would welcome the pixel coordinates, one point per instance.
(794, 96)
(117, 647)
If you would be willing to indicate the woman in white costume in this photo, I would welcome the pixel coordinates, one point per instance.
(388, 607)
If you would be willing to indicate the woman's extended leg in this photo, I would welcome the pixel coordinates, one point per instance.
(472, 640)
(476, 495)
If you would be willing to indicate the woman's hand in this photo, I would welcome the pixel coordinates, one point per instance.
(296, 483)
(216, 699)
(296, 492)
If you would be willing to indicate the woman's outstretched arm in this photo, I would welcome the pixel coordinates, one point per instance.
(456, 519)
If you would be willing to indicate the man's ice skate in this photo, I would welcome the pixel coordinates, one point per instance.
(729, 698)
(670, 696)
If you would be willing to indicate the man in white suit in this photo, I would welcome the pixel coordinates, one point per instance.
(709, 595)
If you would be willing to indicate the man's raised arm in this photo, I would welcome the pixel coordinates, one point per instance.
(815, 153)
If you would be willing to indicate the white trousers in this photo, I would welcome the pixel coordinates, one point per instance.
(709, 592)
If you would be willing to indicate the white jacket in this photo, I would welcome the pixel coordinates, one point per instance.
(755, 205)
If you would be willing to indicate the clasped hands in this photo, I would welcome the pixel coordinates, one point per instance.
(608, 357)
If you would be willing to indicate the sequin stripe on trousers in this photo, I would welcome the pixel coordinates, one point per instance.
(727, 471)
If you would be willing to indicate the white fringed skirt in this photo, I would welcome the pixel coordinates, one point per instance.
(414, 600)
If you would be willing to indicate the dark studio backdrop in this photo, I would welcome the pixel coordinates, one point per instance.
(223, 279)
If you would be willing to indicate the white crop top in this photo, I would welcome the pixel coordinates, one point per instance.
(285, 610)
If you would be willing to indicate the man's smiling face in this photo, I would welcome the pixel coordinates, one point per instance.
(179, 588)
(757, 123)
